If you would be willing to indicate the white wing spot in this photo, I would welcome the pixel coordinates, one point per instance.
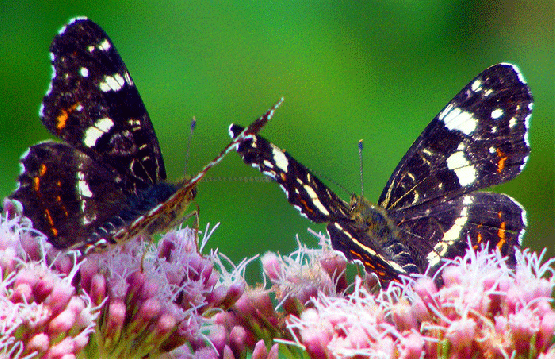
(84, 72)
(104, 124)
(450, 237)
(128, 78)
(268, 164)
(497, 113)
(477, 86)
(280, 159)
(427, 152)
(492, 150)
(112, 83)
(512, 122)
(91, 136)
(82, 186)
(93, 133)
(465, 171)
(104, 45)
(315, 200)
(458, 120)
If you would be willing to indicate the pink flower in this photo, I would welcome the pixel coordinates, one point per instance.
(484, 309)
(167, 299)
(41, 312)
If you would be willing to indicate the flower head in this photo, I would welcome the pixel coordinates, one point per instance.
(42, 314)
(484, 309)
(143, 299)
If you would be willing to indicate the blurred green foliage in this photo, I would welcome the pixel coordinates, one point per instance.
(377, 70)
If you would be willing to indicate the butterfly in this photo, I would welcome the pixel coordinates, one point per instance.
(105, 182)
(429, 208)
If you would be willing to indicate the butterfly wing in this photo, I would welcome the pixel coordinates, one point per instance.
(312, 198)
(93, 104)
(111, 153)
(56, 191)
(363, 233)
(480, 139)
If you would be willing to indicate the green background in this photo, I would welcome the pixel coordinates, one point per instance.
(377, 70)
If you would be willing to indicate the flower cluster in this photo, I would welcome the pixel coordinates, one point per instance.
(165, 298)
(41, 312)
(141, 299)
(484, 310)
(135, 300)
(256, 319)
(305, 273)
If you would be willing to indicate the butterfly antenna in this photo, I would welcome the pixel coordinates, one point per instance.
(330, 180)
(193, 124)
(251, 130)
(236, 179)
(360, 148)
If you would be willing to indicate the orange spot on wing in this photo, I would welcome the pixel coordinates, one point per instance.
(501, 161)
(36, 183)
(501, 231)
(59, 200)
(36, 180)
(51, 222)
(61, 120)
(305, 205)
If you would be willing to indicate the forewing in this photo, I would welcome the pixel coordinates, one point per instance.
(93, 104)
(172, 201)
(304, 191)
(479, 139)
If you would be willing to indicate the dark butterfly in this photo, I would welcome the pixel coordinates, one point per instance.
(105, 182)
(428, 209)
